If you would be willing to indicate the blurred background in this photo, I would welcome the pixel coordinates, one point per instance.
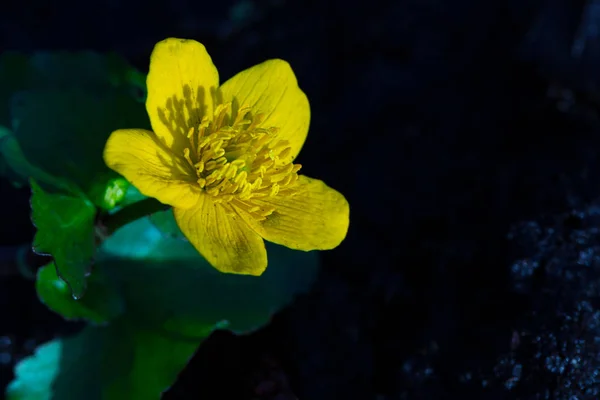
(466, 137)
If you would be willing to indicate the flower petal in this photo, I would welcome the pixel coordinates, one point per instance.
(151, 167)
(316, 218)
(182, 81)
(224, 240)
(271, 88)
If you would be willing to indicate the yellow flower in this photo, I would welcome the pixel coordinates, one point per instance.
(222, 157)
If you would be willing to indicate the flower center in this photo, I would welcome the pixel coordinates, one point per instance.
(237, 161)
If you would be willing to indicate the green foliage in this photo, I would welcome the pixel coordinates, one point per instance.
(117, 362)
(60, 108)
(20, 170)
(101, 303)
(169, 299)
(88, 70)
(112, 363)
(65, 229)
(56, 113)
(75, 126)
(171, 286)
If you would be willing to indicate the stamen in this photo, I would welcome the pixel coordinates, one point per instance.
(285, 152)
(274, 190)
(186, 155)
(238, 160)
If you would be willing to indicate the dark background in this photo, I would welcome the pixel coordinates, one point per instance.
(465, 135)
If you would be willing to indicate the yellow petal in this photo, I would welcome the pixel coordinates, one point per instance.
(271, 88)
(151, 167)
(182, 81)
(225, 241)
(316, 218)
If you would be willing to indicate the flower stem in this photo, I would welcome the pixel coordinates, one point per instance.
(131, 213)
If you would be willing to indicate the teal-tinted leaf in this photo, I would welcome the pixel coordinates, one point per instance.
(165, 222)
(101, 303)
(117, 362)
(35, 374)
(171, 287)
(65, 230)
(64, 132)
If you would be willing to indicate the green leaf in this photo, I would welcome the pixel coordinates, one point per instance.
(86, 69)
(65, 230)
(101, 303)
(21, 170)
(61, 108)
(173, 299)
(64, 132)
(59, 70)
